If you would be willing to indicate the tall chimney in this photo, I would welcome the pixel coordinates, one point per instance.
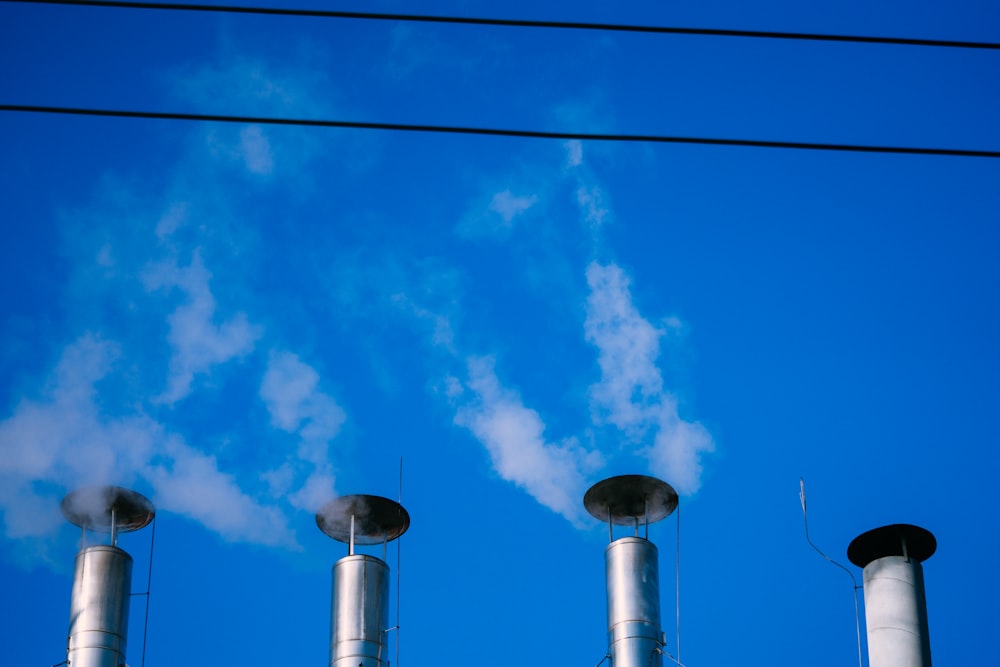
(102, 582)
(360, 606)
(895, 606)
(631, 566)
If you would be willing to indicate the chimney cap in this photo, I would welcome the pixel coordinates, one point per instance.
(625, 499)
(376, 519)
(91, 508)
(891, 540)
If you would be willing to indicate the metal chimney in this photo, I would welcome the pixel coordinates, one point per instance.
(102, 582)
(895, 607)
(360, 606)
(631, 566)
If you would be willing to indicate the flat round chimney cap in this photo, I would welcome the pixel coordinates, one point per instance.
(376, 519)
(91, 508)
(624, 499)
(888, 541)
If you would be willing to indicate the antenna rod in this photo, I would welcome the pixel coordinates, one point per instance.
(399, 548)
(677, 576)
(805, 520)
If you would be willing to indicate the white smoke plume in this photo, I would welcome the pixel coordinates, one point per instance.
(110, 410)
(514, 435)
(290, 390)
(63, 440)
(630, 394)
(197, 342)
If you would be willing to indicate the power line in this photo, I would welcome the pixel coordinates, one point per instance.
(522, 23)
(498, 132)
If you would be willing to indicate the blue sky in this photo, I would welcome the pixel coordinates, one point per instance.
(241, 321)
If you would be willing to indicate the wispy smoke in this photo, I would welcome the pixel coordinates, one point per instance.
(630, 393)
(110, 411)
(290, 389)
(628, 346)
(198, 343)
(514, 435)
(63, 440)
(496, 219)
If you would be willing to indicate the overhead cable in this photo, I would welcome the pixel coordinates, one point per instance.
(521, 23)
(499, 132)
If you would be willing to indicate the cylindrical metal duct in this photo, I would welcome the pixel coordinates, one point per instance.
(360, 615)
(632, 569)
(895, 605)
(633, 583)
(98, 622)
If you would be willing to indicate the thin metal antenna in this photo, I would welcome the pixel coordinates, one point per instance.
(677, 582)
(399, 548)
(149, 583)
(805, 521)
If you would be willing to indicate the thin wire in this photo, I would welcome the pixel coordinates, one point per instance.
(497, 132)
(677, 583)
(149, 583)
(857, 614)
(399, 548)
(524, 23)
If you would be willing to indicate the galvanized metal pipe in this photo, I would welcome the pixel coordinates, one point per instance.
(360, 614)
(633, 585)
(98, 623)
(895, 605)
(896, 613)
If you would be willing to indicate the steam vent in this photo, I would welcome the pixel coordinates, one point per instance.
(360, 607)
(895, 606)
(631, 565)
(102, 581)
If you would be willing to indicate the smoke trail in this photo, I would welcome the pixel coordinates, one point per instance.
(630, 394)
(62, 440)
(296, 405)
(553, 473)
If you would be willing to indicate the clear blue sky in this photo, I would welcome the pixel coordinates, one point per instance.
(241, 321)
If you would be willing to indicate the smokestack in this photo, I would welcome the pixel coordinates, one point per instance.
(631, 566)
(895, 607)
(360, 605)
(102, 582)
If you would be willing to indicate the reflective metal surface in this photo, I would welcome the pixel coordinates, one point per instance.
(895, 604)
(630, 499)
(896, 613)
(360, 615)
(101, 507)
(375, 519)
(634, 635)
(898, 539)
(98, 622)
